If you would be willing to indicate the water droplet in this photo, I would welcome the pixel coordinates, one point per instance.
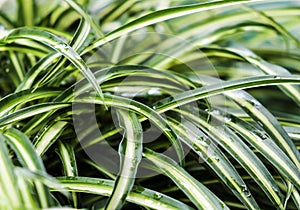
(260, 123)
(7, 70)
(157, 196)
(100, 182)
(203, 143)
(135, 161)
(116, 89)
(71, 178)
(139, 189)
(264, 137)
(216, 158)
(154, 107)
(18, 126)
(61, 47)
(246, 191)
(227, 119)
(154, 91)
(201, 138)
(3, 32)
(167, 130)
(196, 148)
(261, 135)
(215, 112)
(255, 103)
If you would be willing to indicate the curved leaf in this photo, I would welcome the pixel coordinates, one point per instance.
(138, 195)
(130, 151)
(202, 197)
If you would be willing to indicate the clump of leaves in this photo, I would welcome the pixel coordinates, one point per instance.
(149, 104)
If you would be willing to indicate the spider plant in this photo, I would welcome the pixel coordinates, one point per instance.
(127, 104)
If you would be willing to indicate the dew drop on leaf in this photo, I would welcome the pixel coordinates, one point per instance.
(100, 182)
(167, 130)
(246, 191)
(157, 196)
(139, 189)
(154, 91)
(196, 148)
(227, 119)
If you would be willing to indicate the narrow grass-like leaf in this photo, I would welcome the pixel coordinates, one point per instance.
(18, 65)
(59, 46)
(268, 122)
(246, 158)
(8, 179)
(80, 37)
(218, 88)
(36, 70)
(78, 41)
(215, 158)
(150, 114)
(196, 94)
(259, 139)
(139, 195)
(68, 159)
(67, 155)
(31, 111)
(86, 17)
(268, 68)
(116, 9)
(22, 48)
(26, 12)
(160, 16)
(276, 25)
(202, 197)
(103, 170)
(25, 186)
(49, 136)
(130, 151)
(45, 178)
(29, 158)
(296, 197)
(13, 100)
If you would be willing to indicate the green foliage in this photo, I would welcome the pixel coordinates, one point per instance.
(125, 104)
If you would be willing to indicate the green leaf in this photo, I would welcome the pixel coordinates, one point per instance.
(139, 195)
(26, 12)
(29, 158)
(139, 108)
(246, 158)
(130, 151)
(58, 45)
(67, 156)
(49, 136)
(268, 122)
(202, 197)
(214, 158)
(162, 15)
(11, 101)
(262, 142)
(33, 73)
(31, 111)
(86, 17)
(8, 180)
